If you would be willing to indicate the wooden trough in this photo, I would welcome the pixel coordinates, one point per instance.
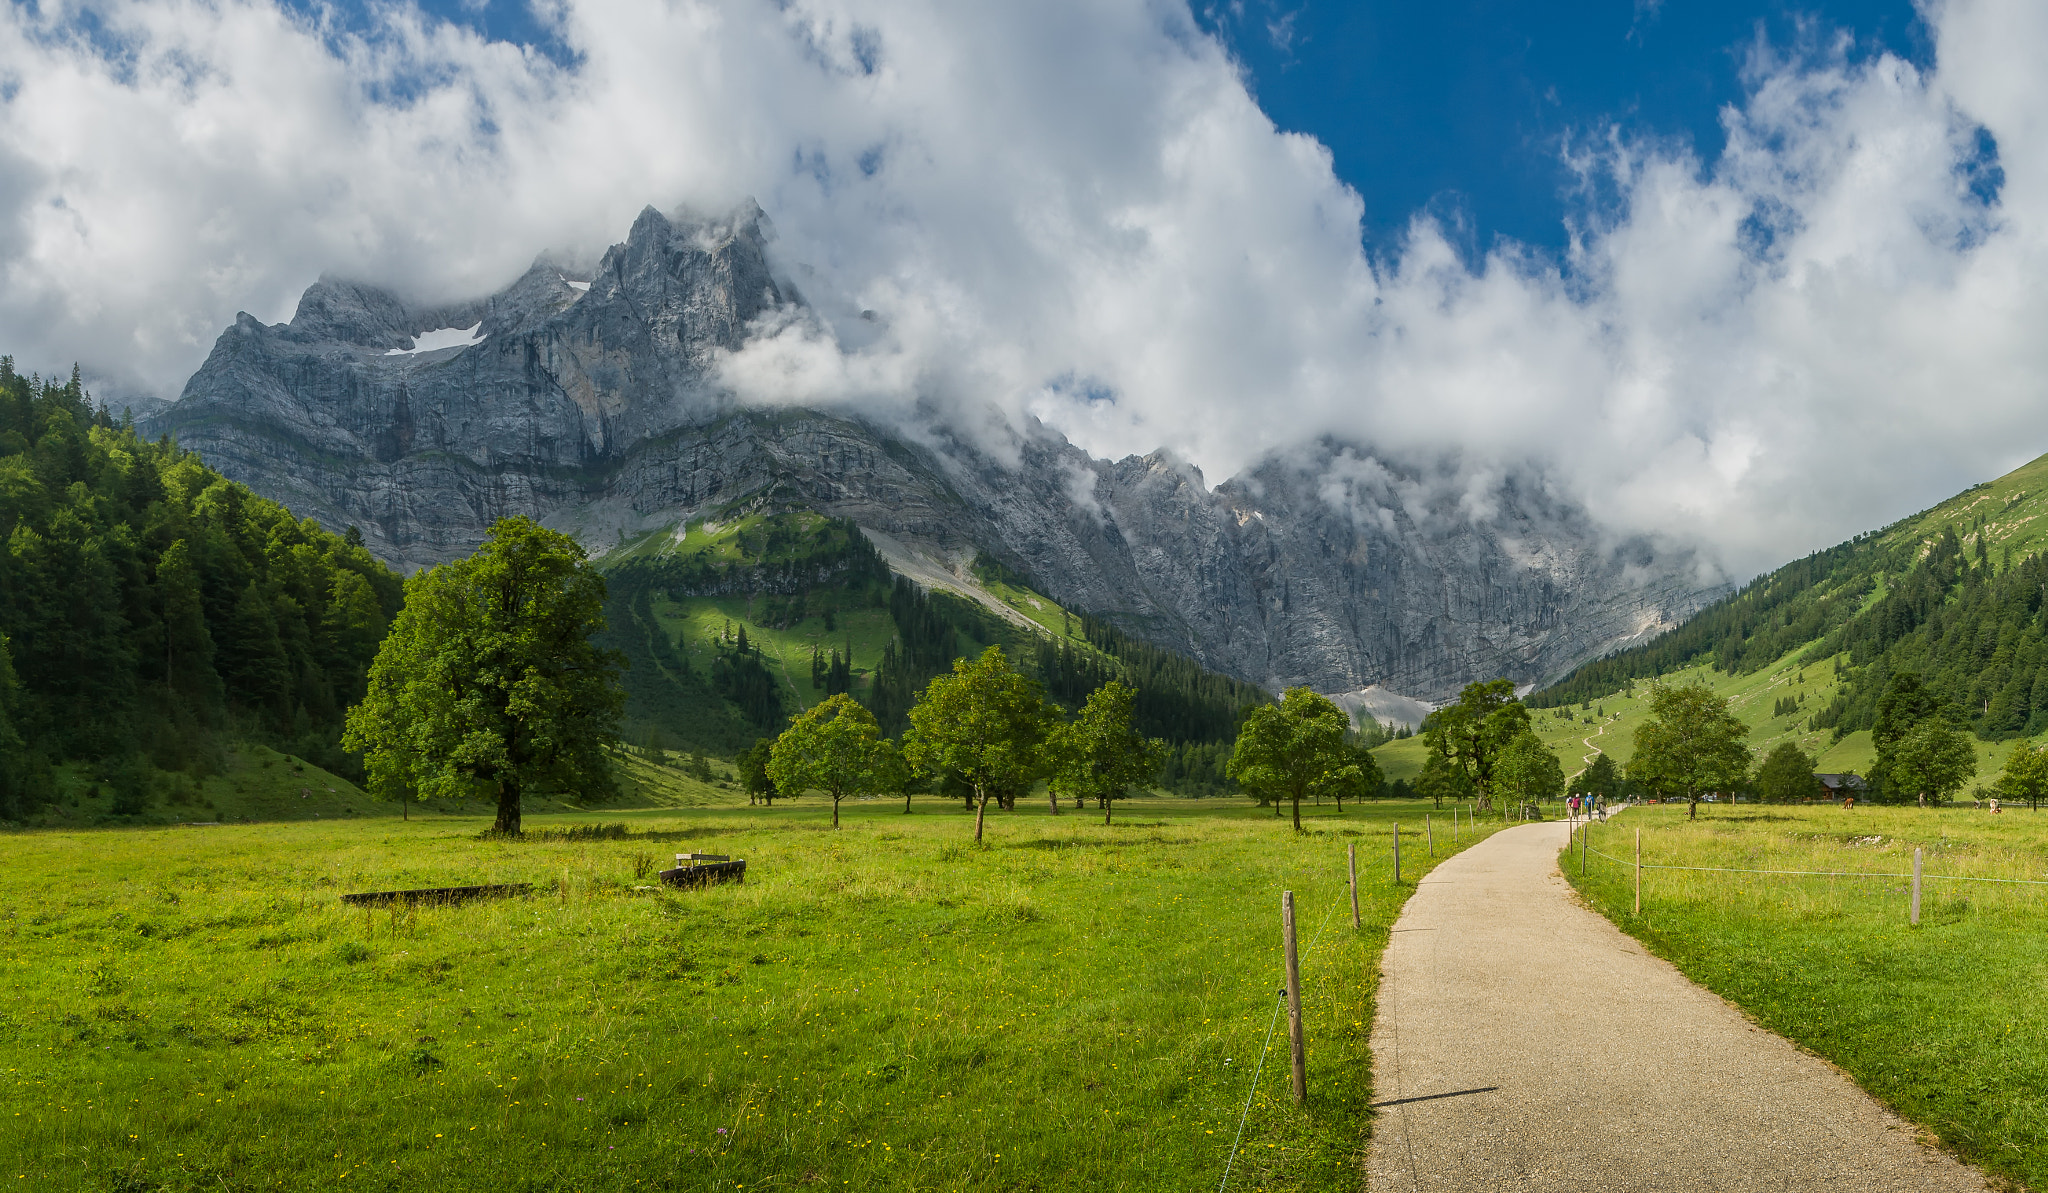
(703, 869)
(438, 894)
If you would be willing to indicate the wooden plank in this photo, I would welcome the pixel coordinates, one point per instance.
(438, 894)
(732, 871)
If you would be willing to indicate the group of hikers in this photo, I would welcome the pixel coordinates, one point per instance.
(1592, 805)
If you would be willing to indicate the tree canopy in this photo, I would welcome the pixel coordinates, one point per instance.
(1470, 735)
(752, 765)
(1786, 776)
(1602, 778)
(1099, 755)
(1528, 771)
(1691, 745)
(983, 722)
(2025, 775)
(1930, 759)
(489, 678)
(1295, 749)
(834, 747)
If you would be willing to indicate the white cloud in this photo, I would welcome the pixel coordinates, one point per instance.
(1074, 209)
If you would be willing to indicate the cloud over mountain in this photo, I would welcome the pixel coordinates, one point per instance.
(1076, 210)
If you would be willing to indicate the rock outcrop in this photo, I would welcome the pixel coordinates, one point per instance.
(591, 402)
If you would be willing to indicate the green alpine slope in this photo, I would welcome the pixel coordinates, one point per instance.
(733, 624)
(1955, 593)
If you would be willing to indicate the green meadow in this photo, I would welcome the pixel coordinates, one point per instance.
(1610, 725)
(1075, 1006)
(1946, 1022)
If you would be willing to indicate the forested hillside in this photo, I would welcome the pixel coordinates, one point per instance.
(1955, 594)
(154, 612)
(733, 626)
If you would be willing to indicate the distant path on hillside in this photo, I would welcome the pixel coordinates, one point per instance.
(1588, 743)
(1524, 1043)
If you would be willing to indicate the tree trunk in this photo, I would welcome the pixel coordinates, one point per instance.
(1692, 809)
(508, 809)
(980, 812)
(1107, 806)
(1053, 797)
(1340, 801)
(1297, 811)
(835, 811)
(1080, 802)
(906, 799)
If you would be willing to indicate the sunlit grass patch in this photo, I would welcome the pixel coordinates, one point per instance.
(1073, 1006)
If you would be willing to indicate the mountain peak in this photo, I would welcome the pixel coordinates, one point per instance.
(597, 406)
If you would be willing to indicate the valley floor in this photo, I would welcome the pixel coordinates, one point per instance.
(1076, 1006)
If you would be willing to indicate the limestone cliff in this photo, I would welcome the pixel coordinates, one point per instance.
(590, 402)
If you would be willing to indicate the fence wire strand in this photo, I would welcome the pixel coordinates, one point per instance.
(1818, 873)
(1249, 1094)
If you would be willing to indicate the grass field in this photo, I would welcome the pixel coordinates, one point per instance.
(1074, 1007)
(1947, 1022)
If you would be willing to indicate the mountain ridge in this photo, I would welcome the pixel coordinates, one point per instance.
(596, 406)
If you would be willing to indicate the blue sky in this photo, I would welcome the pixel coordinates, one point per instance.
(1463, 108)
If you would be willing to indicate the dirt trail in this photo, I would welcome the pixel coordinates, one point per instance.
(1588, 743)
(1524, 1043)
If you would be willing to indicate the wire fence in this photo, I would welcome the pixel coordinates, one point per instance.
(1391, 859)
(1917, 877)
(1580, 827)
(1821, 873)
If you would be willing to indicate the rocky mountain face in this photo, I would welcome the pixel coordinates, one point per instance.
(591, 403)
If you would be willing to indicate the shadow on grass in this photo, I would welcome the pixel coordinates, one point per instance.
(617, 832)
(1092, 842)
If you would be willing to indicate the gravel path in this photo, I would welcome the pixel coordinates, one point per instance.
(1524, 1043)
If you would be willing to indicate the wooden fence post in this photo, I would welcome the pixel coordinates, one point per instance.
(1915, 915)
(1397, 853)
(1294, 998)
(1639, 871)
(1429, 834)
(1351, 851)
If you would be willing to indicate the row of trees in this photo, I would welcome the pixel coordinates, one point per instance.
(990, 730)
(494, 680)
(985, 727)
